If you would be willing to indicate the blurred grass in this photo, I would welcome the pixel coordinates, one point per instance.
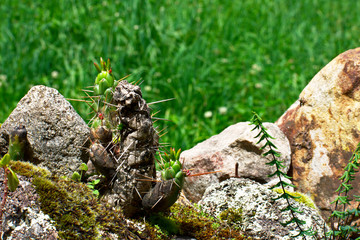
(219, 59)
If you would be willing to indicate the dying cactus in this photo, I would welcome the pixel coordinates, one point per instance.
(124, 141)
(124, 144)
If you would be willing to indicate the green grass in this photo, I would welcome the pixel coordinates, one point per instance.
(242, 55)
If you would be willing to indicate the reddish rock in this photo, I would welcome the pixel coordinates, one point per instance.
(323, 127)
(235, 145)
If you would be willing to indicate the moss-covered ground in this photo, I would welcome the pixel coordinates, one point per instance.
(79, 214)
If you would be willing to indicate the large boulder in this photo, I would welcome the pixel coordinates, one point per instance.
(235, 145)
(259, 216)
(57, 135)
(323, 127)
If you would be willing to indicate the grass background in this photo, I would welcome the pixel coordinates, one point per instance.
(211, 55)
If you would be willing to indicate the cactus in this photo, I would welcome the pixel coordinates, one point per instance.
(124, 144)
(124, 141)
(166, 192)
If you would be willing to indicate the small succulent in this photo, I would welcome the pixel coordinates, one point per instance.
(166, 192)
(171, 168)
(104, 86)
(11, 178)
(105, 81)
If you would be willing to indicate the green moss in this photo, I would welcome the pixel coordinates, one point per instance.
(167, 225)
(71, 205)
(27, 169)
(300, 197)
(232, 216)
(77, 212)
(197, 224)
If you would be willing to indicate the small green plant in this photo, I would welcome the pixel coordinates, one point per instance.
(10, 182)
(167, 190)
(92, 185)
(171, 168)
(76, 176)
(341, 220)
(15, 152)
(265, 136)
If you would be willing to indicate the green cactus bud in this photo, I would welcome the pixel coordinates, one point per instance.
(163, 175)
(108, 64)
(100, 76)
(108, 94)
(179, 179)
(110, 80)
(96, 123)
(5, 160)
(103, 64)
(13, 180)
(97, 67)
(103, 85)
(169, 174)
(177, 166)
(96, 90)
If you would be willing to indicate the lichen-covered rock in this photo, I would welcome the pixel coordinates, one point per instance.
(235, 145)
(23, 218)
(323, 128)
(135, 151)
(56, 133)
(261, 215)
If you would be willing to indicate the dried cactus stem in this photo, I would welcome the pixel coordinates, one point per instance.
(162, 196)
(102, 161)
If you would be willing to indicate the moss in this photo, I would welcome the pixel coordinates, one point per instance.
(78, 214)
(197, 224)
(232, 216)
(300, 197)
(27, 169)
(76, 211)
(167, 225)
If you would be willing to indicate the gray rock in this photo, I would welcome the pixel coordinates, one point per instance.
(235, 145)
(22, 217)
(56, 133)
(261, 214)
